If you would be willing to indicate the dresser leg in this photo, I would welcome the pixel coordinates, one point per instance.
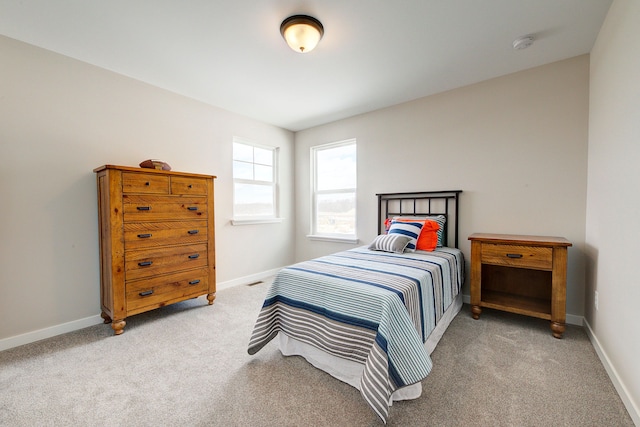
(105, 317)
(557, 329)
(118, 326)
(211, 297)
(475, 311)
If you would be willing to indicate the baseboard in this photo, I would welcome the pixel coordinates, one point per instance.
(52, 331)
(246, 279)
(634, 413)
(571, 319)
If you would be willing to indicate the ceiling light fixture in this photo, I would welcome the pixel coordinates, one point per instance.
(523, 42)
(301, 32)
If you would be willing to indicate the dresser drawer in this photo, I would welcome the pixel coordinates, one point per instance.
(145, 183)
(162, 208)
(188, 185)
(158, 291)
(151, 262)
(534, 257)
(138, 235)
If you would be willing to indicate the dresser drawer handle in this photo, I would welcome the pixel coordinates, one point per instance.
(192, 208)
(146, 293)
(194, 256)
(144, 236)
(144, 208)
(194, 282)
(147, 183)
(190, 186)
(193, 231)
(145, 263)
(514, 255)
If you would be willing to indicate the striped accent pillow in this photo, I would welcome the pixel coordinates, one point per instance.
(409, 229)
(440, 219)
(395, 243)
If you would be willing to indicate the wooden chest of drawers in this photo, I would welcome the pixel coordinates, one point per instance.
(520, 274)
(157, 243)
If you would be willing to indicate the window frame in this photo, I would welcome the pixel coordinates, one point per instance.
(333, 237)
(256, 219)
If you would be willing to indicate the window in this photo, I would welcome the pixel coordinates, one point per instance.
(334, 190)
(254, 181)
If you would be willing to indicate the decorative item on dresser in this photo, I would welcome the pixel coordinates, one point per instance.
(520, 274)
(157, 243)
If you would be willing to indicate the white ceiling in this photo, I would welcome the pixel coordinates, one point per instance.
(374, 53)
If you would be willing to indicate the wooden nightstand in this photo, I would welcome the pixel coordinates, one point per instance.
(520, 274)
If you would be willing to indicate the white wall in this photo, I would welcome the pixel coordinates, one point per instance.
(516, 146)
(613, 205)
(60, 119)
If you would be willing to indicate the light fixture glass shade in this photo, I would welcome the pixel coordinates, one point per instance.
(301, 32)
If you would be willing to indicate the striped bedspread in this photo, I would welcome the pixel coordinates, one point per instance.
(375, 308)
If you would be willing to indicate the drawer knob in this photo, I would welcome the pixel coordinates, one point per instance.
(192, 208)
(144, 208)
(147, 183)
(194, 256)
(514, 255)
(194, 282)
(190, 186)
(145, 263)
(144, 236)
(193, 231)
(146, 293)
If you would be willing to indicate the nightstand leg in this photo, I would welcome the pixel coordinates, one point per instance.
(476, 310)
(559, 291)
(557, 329)
(476, 278)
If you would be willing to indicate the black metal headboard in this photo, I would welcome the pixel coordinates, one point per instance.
(422, 203)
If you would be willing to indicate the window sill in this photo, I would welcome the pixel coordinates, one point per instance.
(352, 240)
(256, 221)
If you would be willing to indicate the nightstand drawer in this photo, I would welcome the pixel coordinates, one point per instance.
(534, 257)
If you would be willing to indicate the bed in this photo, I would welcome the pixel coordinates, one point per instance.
(372, 315)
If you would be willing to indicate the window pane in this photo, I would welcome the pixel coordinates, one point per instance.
(242, 170)
(263, 173)
(242, 152)
(262, 156)
(336, 168)
(253, 200)
(254, 181)
(335, 213)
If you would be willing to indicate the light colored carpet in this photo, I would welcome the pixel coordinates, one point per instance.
(187, 365)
